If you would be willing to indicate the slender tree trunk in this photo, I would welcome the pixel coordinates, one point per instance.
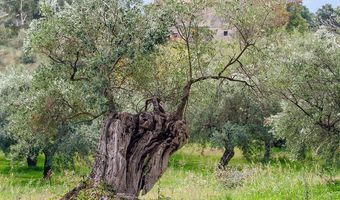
(32, 161)
(332, 156)
(301, 153)
(48, 164)
(134, 151)
(202, 150)
(227, 155)
(267, 147)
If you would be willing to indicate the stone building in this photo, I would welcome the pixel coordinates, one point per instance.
(214, 22)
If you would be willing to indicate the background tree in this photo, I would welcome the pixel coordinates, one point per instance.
(298, 16)
(309, 17)
(329, 17)
(48, 119)
(237, 120)
(14, 83)
(19, 12)
(308, 82)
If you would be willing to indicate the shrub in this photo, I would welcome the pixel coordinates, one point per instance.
(232, 177)
(27, 59)
(5, 35)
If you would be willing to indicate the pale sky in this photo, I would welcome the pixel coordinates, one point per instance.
(314, 5)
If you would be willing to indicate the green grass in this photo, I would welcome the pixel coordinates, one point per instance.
(189, 176)
(20, 182)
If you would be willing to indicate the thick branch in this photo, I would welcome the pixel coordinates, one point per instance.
(296, 103)
(115, 63)
(74, 66)
(184, 99)
(156, 102)
(233, 60)
(324, 125)
(3, 16)
(186, 91)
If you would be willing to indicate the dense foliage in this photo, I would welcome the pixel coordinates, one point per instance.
(308, 82)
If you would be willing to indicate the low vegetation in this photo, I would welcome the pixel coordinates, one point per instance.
(191, 176)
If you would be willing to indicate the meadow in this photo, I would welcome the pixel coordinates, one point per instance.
(192, 176)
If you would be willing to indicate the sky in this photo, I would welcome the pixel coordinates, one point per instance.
(314, 5)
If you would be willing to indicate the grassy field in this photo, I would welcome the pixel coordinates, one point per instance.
(190, 176)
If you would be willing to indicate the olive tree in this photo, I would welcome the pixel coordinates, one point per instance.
(307, 79)
(93, 43)
(19, 13)
(40, 117)
(329, 17)
(13, 83)
(236, 119)
(109, 45)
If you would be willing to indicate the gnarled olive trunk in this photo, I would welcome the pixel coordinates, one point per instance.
(134, 151)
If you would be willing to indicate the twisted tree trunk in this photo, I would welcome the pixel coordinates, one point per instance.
(227, 155)
(134, 151)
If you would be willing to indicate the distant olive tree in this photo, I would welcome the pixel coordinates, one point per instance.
(19, 13)
(13, 83)
(47, 117)
(306, 77)
(237, 119)
(329, 17)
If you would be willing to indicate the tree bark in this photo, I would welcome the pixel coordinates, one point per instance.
(227, 155)
(48, 164)
(32, 161)
(134, 151)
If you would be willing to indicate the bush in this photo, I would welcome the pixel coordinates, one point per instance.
(27, 59)
(5, 35)
(232, 177)
(103, 191)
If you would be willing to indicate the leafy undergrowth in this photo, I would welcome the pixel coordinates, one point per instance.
(190, 176)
